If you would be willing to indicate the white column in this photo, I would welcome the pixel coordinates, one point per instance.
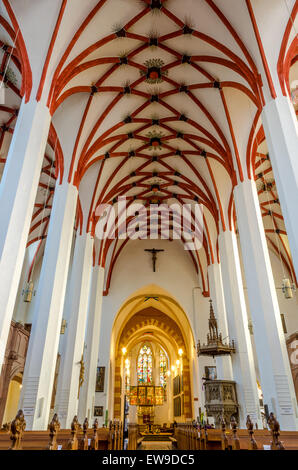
(17, 196)
(87, 396)
(223, 363)
(276, 378)
(242, 360)
(68, 384)
(281, 131)
(44, 339)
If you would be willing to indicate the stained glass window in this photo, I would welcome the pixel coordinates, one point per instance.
(127, 383)
(163, 369)
(145, 365)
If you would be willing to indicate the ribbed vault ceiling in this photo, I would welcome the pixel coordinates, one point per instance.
(170, 98)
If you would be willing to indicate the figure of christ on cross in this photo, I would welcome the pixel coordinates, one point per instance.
(154, 252)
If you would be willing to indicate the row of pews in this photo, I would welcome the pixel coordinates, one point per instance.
(79, 437)
(192, 438)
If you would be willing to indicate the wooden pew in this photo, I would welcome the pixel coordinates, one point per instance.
(16, 438)
(251, 439)
(94, 439)
(83, 441)
(103, 435)
(212, 439)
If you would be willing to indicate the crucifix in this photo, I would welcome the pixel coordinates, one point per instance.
(154, 252)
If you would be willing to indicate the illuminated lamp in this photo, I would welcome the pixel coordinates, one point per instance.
(124, 351)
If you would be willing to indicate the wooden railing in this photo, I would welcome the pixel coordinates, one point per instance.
(79, 437)
(190, 437)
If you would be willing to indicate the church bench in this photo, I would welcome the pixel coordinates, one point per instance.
(289, 439)
(213, 440)
(55, 438)
(190, 438)
(39, 440)
(243, 441)
(261, 439)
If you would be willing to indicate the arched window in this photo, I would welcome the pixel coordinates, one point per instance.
(162, 369)
(145, 365)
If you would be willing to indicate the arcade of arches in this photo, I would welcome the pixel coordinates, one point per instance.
(155, 103)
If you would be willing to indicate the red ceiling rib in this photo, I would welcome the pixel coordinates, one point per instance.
(261, 49)
(282, 72)
(50, 50)
(26, 68)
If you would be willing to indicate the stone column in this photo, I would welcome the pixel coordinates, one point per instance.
(17, 196)
(68, 383)
(281, 131)
(243, 361)
(87, 395)
(276, 378)
(44, 340)
(223, 363)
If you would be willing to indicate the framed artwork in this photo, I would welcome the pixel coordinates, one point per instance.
(98, 411)
(159, 395)
(177, 385)
(133, 396)
(100, 379)
(177, 406)
(146, 395)
(210, 373)
(150, 395)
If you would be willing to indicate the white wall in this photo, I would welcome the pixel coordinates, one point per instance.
(175, 273)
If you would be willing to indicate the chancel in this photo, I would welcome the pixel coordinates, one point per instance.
(148, 224)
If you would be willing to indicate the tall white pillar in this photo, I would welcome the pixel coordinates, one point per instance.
(281, 131)
(223, 363)
(242, 360)
(44, 339)
(276, 378)
(68, 383)
(87, 395)
(17, 196)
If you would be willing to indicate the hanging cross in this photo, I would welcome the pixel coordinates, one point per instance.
(154, 252)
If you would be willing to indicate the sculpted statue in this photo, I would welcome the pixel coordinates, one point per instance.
(17, 428)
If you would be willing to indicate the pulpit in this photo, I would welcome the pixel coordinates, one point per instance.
(221, 400)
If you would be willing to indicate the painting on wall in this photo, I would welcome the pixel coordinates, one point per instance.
(98, 411)
(177, 385)
(177, 407)
(210, 373)
(133, 397)
(100, 379)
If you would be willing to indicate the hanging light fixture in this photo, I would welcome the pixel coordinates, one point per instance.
(28, 292)
(288, 288)
(63, 326)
